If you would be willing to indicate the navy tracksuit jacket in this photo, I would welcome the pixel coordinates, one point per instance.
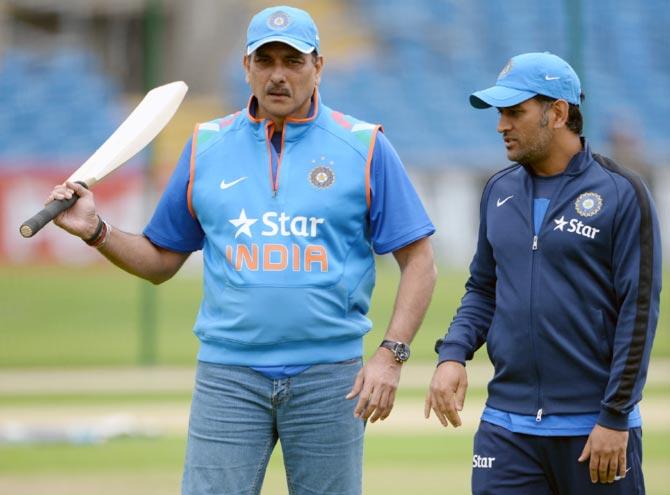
(568, 315)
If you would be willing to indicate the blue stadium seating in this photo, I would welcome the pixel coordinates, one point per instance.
(433, 53)
(429, 56)
(54, 107)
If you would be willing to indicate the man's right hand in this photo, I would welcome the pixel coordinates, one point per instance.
(81, 219)
(446, 394)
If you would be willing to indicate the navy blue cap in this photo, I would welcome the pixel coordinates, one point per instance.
(528, 75)
(288, 25)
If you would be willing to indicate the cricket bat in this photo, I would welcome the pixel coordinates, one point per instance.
(139, 129)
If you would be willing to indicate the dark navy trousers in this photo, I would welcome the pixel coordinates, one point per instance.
(507, 463)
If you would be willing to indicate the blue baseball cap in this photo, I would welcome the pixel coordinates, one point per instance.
(284, 24)
(528, 75)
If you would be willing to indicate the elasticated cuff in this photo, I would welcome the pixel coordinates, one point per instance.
(612, 420)
(452, 352)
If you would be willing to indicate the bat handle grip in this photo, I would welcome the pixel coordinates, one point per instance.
(50, 211)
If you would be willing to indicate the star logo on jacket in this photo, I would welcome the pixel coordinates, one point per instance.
(243, 224)
(576, 227)
(560, 223)
(588, 204)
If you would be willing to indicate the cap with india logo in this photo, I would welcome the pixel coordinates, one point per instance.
(288, 25)
(528, 75)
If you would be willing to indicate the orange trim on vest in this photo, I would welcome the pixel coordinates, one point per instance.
(309, 118)
(268, 143)
(368, 164)
(191, 175)
(279, 159)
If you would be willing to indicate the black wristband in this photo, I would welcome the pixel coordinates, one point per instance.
(98, 230)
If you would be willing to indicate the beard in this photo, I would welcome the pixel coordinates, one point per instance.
(537, 149)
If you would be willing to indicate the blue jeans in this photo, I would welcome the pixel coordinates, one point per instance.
(237, 416)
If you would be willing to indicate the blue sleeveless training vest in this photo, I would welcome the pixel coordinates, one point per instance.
(289, 268)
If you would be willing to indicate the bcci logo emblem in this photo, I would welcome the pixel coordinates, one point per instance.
(321, 176)
(279, 21)
(506, 69)
(588, 204)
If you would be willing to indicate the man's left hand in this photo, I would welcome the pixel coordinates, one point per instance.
(607, 450)
(375, 386)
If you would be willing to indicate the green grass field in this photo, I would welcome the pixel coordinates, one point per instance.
(87, 319)
(393, 465)
(53, 316)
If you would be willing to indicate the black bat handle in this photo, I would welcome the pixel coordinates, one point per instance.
(51, 210)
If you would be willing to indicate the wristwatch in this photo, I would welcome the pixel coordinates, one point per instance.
(399, 349)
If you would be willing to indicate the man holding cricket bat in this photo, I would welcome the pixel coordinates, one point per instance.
(288, 199)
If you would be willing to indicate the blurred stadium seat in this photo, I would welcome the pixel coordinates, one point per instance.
(408, 65)
(430, 55)
(55, 106)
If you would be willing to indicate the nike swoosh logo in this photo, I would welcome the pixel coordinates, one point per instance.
(547, 77)
(501, 202)
(226, 185)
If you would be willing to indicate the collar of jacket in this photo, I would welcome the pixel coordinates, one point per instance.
(579, 162)
(294, 128)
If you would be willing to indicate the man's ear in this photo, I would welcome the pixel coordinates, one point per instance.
(319, 62)
(560, 109)
(246, 60)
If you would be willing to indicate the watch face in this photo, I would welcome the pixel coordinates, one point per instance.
(402, 352)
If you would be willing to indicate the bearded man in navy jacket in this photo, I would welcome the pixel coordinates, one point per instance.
(564, 289)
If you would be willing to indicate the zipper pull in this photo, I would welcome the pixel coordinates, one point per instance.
(535, 249)
(538, 418)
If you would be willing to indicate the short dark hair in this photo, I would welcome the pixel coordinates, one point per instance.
(575, 120)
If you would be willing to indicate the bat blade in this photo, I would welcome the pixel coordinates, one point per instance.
(144, 123)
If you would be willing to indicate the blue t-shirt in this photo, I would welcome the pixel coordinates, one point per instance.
(397, 216)
(552, 425)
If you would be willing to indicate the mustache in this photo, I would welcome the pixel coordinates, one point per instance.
(277, 90)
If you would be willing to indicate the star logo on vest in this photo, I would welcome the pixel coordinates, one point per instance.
(322, 176)
(243, 224)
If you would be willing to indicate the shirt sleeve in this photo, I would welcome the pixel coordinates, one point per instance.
(636, 277)
(397, 216)
(172, 226)
(469, 328)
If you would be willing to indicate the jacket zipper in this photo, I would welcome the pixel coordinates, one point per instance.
(534, 249)
(274, 176)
